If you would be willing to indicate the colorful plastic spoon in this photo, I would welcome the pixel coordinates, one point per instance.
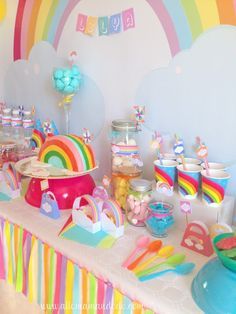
(153, 247)
(142, 243)
(164, 252)
(182, 269)
(171, 261)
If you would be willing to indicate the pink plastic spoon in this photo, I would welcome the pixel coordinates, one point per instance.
(142, 243)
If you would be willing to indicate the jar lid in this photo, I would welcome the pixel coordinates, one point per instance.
(6, 110)
(15, 111)
(140, 185)
(122, 124)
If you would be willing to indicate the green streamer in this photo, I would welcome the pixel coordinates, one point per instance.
(92, 294)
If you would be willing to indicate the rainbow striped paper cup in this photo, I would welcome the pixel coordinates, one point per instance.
(188, 180)
(215, 166)
(214, 186)
(165, 172)
(189, 160)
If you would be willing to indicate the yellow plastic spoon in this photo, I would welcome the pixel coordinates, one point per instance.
(164, 252)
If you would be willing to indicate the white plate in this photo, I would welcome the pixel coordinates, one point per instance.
(24, 167)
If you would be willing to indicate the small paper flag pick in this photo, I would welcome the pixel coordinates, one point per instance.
(179, 149)
(87, 136)
(54, 128)
(139, 116)
(156, 144)
(186, 208)
(21, 111)
(106, 181)
(72, 57)
(202, 153)
(33, 111)
(47, 128)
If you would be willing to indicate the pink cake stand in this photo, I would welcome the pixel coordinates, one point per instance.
(65, 190)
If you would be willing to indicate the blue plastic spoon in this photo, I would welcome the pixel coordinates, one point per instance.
(182, 269)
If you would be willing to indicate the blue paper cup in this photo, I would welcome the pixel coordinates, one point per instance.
(214, 186)
(165, 172)
(188, 180)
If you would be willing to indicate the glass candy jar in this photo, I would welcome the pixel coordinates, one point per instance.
(126, 161)
(139, 195)
(160, 219)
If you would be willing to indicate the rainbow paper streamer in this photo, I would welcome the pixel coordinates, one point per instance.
(165, 174)
(213, 190)
(188, 183)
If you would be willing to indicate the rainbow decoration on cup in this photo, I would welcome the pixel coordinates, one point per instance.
(187, 184)
(111, 207)
(68, 152)
(37, 139)
(213, 193)
(165, 171)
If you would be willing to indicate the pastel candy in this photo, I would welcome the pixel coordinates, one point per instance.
(226, 243)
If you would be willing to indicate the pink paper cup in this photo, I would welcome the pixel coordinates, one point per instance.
(214, 187)
(188, 180)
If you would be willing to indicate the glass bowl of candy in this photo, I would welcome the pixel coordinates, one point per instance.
(225, 248)
(160, 219)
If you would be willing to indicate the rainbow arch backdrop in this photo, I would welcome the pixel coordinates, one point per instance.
(38, 20)
(182, 20)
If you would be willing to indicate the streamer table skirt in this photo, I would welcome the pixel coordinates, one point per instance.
(63, 276)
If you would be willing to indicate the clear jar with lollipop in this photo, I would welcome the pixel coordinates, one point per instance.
(126, 160)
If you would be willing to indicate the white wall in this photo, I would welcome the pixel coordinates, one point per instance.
(192, 94)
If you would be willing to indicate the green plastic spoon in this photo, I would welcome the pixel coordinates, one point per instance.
(171, 261)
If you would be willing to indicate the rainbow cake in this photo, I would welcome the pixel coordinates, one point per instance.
(68, 152)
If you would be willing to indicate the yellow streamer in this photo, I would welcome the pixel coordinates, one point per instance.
(3, 9)
(118, 302)
(9, 249)
(69, 287)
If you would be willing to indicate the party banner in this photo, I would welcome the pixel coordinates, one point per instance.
(106, 25)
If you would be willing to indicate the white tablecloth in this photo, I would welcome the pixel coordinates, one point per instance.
(168, 294)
